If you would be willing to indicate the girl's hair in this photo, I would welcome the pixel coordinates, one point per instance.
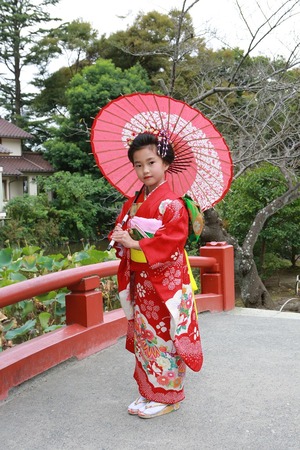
(144, 139)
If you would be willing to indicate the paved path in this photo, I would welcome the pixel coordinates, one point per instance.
(247, 395)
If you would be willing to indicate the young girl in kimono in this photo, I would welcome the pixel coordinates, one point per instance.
(154, 281)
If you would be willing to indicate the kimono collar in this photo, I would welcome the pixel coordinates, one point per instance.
(146, 195)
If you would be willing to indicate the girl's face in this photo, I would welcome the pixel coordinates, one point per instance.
(149, 167)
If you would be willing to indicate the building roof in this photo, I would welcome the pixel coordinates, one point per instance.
(9, 130)
(29, 162)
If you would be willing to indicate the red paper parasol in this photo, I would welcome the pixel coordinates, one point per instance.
(202, 167)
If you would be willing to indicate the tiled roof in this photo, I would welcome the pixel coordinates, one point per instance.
(29, 162)
(9, 130)
(4, 150)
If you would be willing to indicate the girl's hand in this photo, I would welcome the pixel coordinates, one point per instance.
(123, 237)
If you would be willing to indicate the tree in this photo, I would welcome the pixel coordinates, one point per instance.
(250, 193)
(78, 42)
(259, 118)
(88, 91)
(254, 101)
(256, 105)
(84, 207)
(284, 233)
(31, 221)
(81, 207)
(52, 97)
(161, 43)
(19, 32)
(74, 41)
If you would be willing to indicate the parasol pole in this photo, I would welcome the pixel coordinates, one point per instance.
(125, 218)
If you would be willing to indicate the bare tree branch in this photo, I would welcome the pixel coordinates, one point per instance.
(255, 40)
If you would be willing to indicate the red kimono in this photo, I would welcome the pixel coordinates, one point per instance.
(157, 297)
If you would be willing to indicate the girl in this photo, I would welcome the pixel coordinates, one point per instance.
(154, 282)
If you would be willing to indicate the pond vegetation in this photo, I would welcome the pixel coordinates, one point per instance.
(38, 315)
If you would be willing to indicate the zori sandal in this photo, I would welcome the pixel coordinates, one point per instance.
(138, 404)
(154, 409)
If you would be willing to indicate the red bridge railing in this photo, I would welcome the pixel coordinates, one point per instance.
(88, 329)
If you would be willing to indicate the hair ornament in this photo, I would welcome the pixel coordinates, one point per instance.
(129, 140)
(163, 142)
(162, 136)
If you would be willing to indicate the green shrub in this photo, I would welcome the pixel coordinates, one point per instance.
(41, 314)
(272, 264)
(30, 220)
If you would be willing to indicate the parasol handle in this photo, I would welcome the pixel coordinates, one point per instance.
(110, 245)
(125, 218)
(112, 242)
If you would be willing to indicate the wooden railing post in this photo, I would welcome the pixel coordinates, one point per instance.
(84, 304)
(223, 253)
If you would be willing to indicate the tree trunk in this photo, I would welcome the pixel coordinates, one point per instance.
(263, 252)
(294, 256)
(253, 292)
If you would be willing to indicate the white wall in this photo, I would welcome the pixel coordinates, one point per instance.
(14, 145)
(32, 186)
(15, 188)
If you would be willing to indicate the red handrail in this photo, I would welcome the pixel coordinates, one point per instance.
(88, 330)
(41, 285)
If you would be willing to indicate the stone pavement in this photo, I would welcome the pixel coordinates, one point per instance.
(247, 395)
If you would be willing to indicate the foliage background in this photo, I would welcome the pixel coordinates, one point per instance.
(44, 313)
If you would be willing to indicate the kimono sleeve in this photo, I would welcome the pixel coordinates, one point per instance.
(172, 235)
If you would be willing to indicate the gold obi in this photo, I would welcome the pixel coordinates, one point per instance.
(137, 256)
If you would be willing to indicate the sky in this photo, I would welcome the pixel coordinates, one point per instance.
(221, 16)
